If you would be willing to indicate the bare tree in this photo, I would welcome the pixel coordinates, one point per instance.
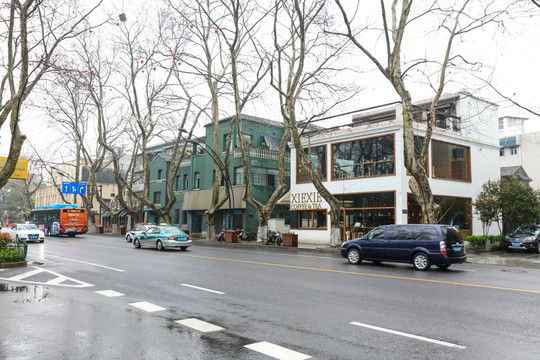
(34, 31)
(304, 60)
(454, 21)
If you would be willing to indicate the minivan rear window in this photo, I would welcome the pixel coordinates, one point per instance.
(451, 234)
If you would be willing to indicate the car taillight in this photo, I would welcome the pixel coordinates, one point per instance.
(172, 238)
(443, 247)
(188, 238)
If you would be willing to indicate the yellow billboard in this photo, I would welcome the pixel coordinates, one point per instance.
(21, 169)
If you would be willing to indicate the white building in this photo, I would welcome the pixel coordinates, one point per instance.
(362, 165)
(518, 151)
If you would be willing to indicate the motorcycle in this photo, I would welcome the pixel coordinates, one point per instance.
(221, 236)
(279, 240)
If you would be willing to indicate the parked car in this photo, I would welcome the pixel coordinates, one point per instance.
(163, 236)
(26, 232)
(524, 237)
(130, 235)
(419, 244)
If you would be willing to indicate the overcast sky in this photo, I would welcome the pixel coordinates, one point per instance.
(514, 56)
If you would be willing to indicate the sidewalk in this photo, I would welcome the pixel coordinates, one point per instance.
(496, 257)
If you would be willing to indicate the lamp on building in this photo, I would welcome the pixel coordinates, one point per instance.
(220, 165)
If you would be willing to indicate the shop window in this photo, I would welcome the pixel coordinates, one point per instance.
(317, 156)
(312, 219)
(418, 142)
(364, 158)
(450, 161)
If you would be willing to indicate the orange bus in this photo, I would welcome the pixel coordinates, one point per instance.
(60, 219)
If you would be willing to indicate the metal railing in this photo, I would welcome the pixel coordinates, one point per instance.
(13, 251)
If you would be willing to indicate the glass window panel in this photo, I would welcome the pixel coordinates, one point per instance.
(450, 161)
(239, 176)
(317, 156)
(364, 158)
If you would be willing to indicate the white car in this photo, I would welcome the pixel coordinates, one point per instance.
(26, 232)
(130, 235)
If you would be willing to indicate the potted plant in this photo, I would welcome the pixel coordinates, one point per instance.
(289, 239)
(231, 236)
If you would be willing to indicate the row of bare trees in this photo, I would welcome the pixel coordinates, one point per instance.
(131, 79)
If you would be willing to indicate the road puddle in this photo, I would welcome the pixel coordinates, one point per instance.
(25, 294)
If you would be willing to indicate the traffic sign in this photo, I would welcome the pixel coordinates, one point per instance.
(73, 188)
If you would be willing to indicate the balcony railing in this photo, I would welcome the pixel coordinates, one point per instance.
(262, 153)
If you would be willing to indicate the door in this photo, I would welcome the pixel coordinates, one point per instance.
(373, 244)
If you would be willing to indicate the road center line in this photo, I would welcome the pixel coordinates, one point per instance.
(412, 336)
(203, 289)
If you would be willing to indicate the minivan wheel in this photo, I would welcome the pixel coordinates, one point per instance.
(443, 266)
(354, 257)
(421, 261)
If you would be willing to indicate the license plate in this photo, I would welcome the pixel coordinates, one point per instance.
(457, 248)
(516, 245)
(32, 236)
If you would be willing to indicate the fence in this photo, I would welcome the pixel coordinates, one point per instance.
(13, 251)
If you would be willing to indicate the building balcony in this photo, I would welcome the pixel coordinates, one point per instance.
(262, 154)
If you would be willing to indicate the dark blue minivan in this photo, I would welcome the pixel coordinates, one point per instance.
(419, 244)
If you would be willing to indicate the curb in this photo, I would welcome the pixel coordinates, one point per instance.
(13, 265)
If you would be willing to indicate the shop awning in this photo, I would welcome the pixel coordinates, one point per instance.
(285, 199)
(201, 200)
(105, 214)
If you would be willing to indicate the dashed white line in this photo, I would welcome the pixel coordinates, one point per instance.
(276, 351)
(203, 289)
(109, 293)
(199, 325)
(146, 306)
(412, 336)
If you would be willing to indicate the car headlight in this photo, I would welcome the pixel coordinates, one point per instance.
(529, 239)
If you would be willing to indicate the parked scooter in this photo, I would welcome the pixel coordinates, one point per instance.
(221, 235)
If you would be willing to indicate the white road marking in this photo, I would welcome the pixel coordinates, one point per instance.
(109, 293)
(203, 289)
(276, 351)
(58, 280)
(200, 325)
(26, 274)
(87, 263)
(438, 342)
(146, 306)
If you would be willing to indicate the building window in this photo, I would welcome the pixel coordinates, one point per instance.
(451, 161)
(159, 173)
(317, 156)
(312, 219)
(197, 180)
(501, 151)
(186, 182)
(239, 176)
(177, 216)
(514, 150)
(257, 176)
(445, 117)
(184, 217)
(157, 197)
(364, 158)
(177, 183)
(225, 139)
(271, 180)
(501, 124)
(248, 140)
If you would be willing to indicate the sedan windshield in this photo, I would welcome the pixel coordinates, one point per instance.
(28, 227)
(527, 230)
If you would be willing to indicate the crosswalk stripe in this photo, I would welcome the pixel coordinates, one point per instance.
(276, 351)
(146, 306)
(109, 293)
(200, 325)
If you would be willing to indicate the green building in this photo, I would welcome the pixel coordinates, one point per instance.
(194, 180)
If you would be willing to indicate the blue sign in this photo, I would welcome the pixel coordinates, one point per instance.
(73, 188)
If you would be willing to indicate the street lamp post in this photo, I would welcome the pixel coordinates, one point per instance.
(101, 196)
(220, 165)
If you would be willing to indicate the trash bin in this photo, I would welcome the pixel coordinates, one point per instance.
(122, 230)
(100, 229)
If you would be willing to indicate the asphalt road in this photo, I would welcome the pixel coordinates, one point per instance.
(96, 297)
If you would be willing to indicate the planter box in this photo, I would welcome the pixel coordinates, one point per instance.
(231, 237)
(290, 240)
